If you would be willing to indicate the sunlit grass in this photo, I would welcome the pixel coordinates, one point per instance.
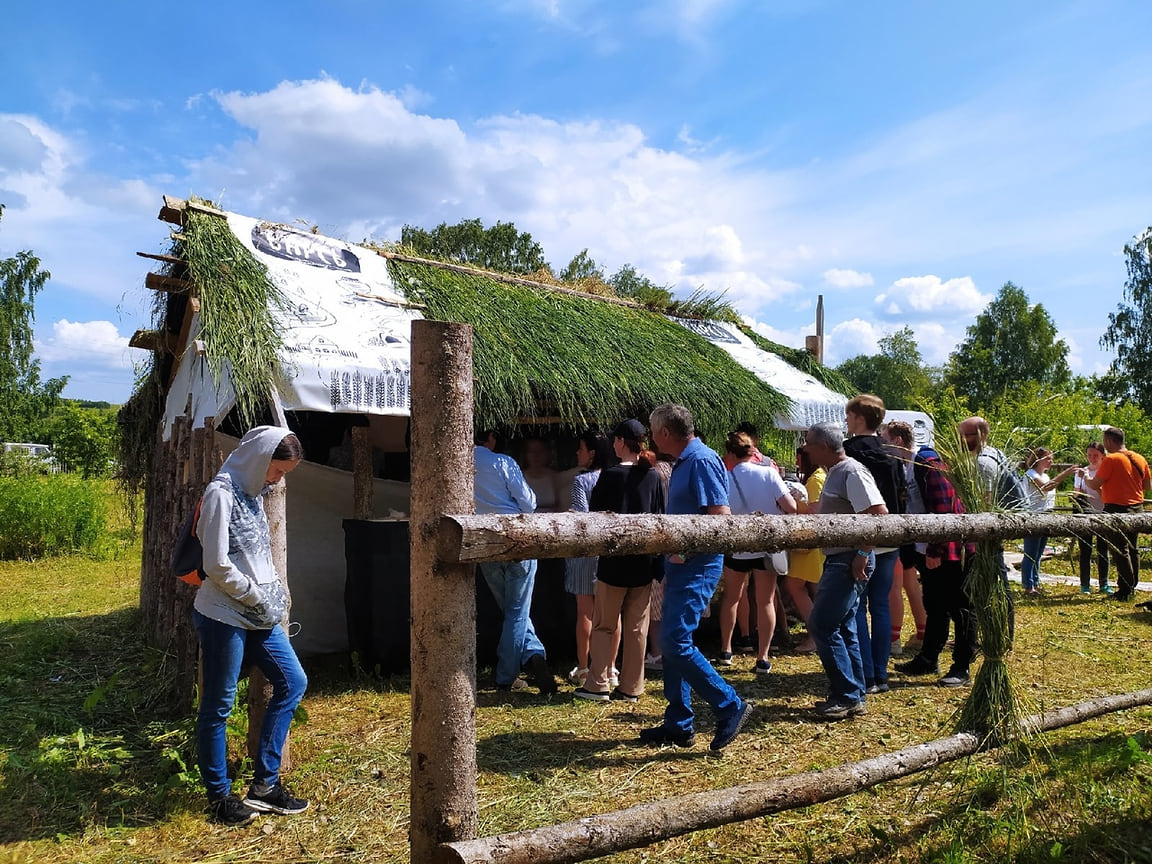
(91, 772)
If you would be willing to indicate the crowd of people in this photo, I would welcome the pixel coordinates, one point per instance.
(643, 611)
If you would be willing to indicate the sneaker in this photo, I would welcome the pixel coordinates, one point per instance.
(515, 687)
(724, 659)
(744, 644)
(918, 665)
(1107, 589)
(838, 709)
(727, 730)
(1121, 596)
(896, 650)
(956, 678)
(878, 687)
(619, 695)
(277, 799)
(590, 695)
(613, 677)
(1085, 589)
(663, 735)
(763, 667)
(230, 810)
(654, 663)
(577, 675)
(541, 675)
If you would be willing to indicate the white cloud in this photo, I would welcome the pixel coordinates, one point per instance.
(88, 343)
(930, 296)
(793, 338)
(849, 338)
(838, 278)
(361, 162)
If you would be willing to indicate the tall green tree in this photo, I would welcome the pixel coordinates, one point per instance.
(1012, 343)
(500, 247)
(84, 439)
(896, 374)
(631, 283)
(582, 266)
(24, 400)
(1129, 331)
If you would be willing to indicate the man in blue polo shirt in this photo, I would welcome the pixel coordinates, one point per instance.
(698, 485)
(499, 487)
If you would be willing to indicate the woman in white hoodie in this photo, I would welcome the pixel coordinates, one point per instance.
(239, 612)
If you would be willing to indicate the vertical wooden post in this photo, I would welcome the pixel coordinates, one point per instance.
(443, 753)
(361, 472)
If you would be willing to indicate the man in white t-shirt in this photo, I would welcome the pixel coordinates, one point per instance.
(849, 488)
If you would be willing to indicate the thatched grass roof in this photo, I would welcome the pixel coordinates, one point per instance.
(543, 353)
(540, 353)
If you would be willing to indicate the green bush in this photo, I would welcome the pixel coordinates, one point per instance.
(52, 515)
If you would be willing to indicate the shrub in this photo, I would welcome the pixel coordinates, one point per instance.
(51, 515)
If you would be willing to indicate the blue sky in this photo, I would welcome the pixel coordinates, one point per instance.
(903, 159)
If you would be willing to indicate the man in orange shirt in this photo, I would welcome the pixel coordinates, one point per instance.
(1122, 480)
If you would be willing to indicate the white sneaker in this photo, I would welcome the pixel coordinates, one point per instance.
(577, 675)
(654, 663)
(614, 677)
(897, 650)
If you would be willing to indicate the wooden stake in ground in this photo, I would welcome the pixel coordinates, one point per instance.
(443, 755)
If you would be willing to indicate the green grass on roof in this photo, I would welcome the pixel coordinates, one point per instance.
(803, 361)
(541, 353)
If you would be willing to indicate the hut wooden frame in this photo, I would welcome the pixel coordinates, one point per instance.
(447, 539)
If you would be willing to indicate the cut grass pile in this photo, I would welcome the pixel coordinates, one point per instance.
(90, 772)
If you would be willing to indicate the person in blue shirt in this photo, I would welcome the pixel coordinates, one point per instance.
(499, 487)
(698, 485)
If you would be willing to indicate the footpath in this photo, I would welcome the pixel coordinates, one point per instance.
(1013, 559)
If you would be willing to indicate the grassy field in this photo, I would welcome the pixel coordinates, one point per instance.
(92, 770)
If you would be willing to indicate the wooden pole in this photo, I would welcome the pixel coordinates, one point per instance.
(361, 472)
(443, 753)
(575, 535)
(645, 824)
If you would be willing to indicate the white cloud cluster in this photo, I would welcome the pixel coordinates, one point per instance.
(838, 278)
(361, 162)
(931, 296)
(87, 343)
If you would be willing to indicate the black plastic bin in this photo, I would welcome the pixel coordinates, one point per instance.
(378, 600)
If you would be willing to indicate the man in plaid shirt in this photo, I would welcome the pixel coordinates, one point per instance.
(943, 576)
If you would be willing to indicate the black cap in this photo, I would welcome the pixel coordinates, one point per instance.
(632, 430)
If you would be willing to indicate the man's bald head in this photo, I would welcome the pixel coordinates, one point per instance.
(974, 431)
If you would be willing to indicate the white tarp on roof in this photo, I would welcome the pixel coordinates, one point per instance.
(812, 402)
(346, 334)
(345, 330)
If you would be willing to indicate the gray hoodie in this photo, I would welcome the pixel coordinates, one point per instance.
(242, 588)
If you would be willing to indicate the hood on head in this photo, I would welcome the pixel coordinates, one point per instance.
(248, 463)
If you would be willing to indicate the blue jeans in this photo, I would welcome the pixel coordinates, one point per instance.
(832, 624)
(688, 589)
(511, 584)
(225, 649)
(874, 653)
(1030, 566)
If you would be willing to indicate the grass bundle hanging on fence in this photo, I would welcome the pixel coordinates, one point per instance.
(541, 353)
(238, 302)
(992, 709)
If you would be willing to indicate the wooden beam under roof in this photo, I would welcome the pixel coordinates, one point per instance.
(151, 340)
(167, 259)
(167, 283)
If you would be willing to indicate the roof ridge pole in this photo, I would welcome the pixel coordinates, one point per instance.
(442, 804)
